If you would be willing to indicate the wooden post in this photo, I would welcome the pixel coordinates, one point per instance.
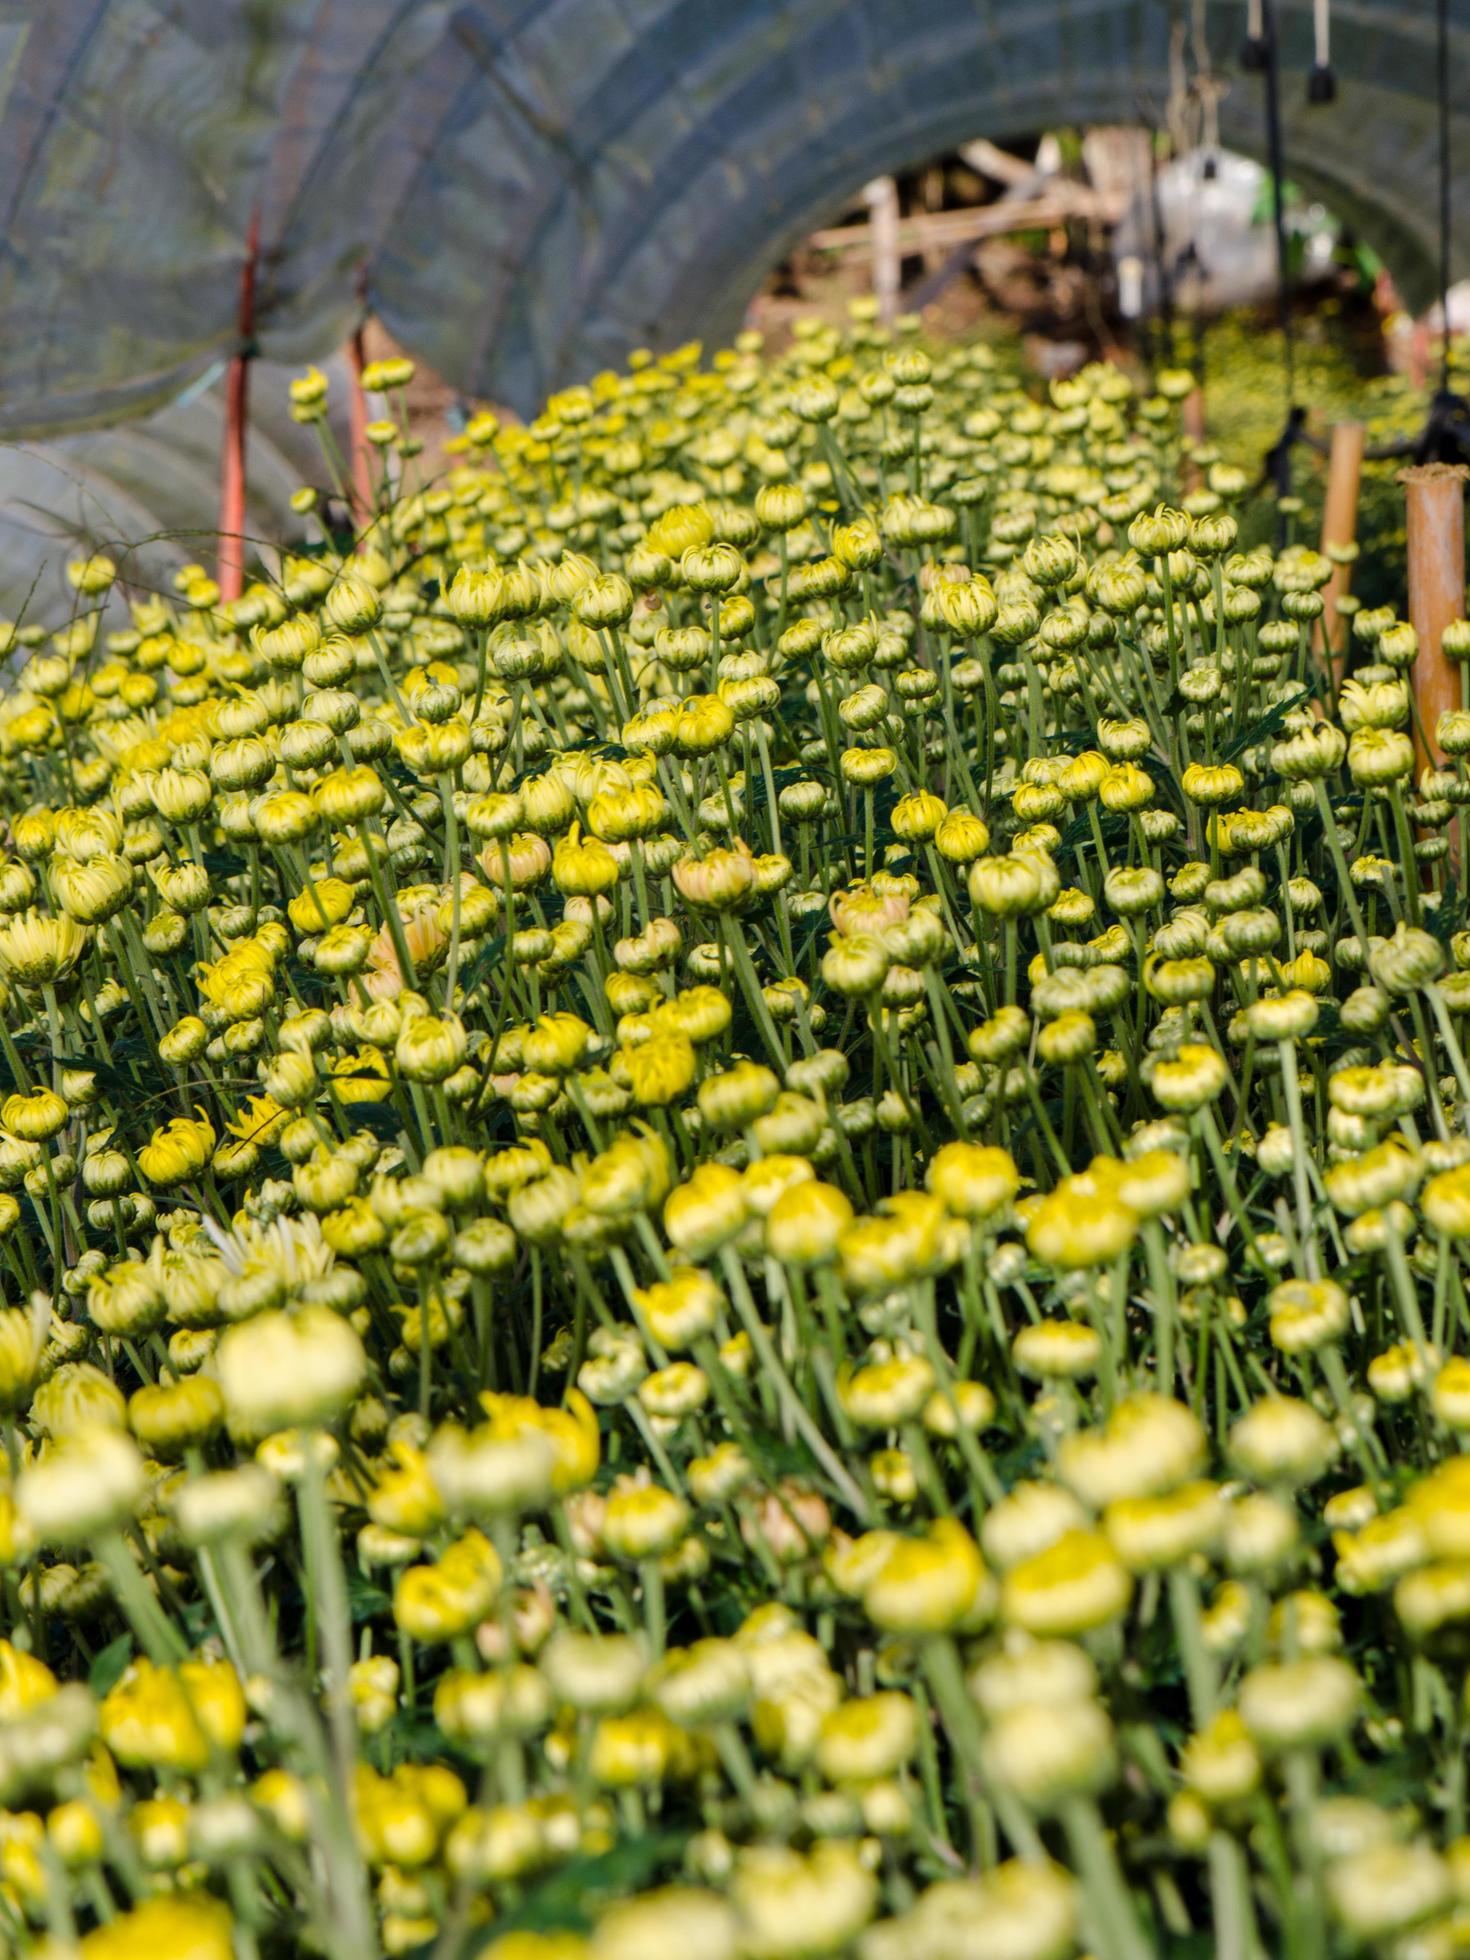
(230, 569)
(361, 455)
(1340, 527)
(881, 197)
(1434, 495)
(933, 194)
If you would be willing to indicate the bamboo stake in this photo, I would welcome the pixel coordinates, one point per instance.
(1434, 495)
(1340, 528)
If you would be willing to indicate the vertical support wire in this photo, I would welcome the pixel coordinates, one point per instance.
(1276, 158)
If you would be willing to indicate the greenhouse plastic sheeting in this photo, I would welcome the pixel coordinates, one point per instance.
(523, 190)
(138, 491)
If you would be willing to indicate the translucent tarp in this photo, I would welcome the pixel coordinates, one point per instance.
(522, 190)
(142, 489)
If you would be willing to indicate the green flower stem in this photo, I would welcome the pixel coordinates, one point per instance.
(656, 1450)
(1209, 1130)
(326, 1606)
(20, 1074)
(930, 1773)
(1344, 876)
(1235, 1933)
(750, 986)
(736, 1763)
(1302, 1787)
(1444, 1020)
(136, 971)
(387, 905)
(1365, 1445)
(156, 1633)
(655, 1609)
(1405, 837)
(1111, 1916)
(1291, 1087)
(790, 1401)
(945, 1675)
(1405, 1292)
(1164, 1302)
(451, 831)
(1200, 1671)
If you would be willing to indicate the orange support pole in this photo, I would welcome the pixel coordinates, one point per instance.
(361, 457)
(231, 560)
(1434, 495)
(1339, 528)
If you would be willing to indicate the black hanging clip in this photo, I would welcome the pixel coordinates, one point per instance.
(1445, 437)
(1321, 84)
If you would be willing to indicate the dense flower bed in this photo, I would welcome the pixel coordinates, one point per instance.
(734, 1195)
(1338, 378)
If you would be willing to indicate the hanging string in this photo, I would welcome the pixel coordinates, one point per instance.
(1445, 437)
(1253, 54)
(1158, 252)
(1322, 83)
(1279, 460)
(1205, 94)
(1209, 90)
(1149, 267)
(1445, 434)
(1199, 34)
(1176, 108)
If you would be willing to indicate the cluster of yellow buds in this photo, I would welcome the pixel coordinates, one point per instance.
(734, 1204)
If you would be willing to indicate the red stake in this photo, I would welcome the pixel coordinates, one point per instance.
(231, 568)
(362, 474)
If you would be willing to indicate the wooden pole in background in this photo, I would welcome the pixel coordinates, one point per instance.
(230, 569)
(881, 197)
(1340, 527)
(933, 190)
(1434, 495)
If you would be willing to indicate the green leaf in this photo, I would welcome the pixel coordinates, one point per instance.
(571, 1898)
(1269, 724)
(109, 1666)
(365, 1599)
(381, 1118)
(490, 957)
(1449, 915)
